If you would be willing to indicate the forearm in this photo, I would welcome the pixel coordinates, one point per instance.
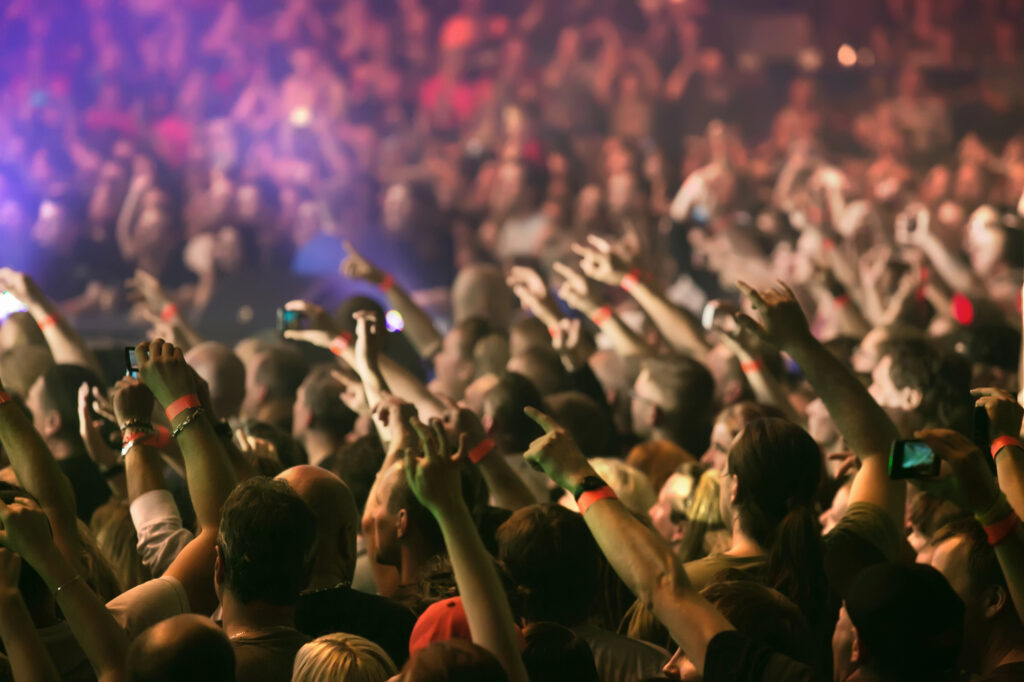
(404, 384)
(508, 490)
(1010, 554)
(28, 657)
(67, 347)
(679, 329)
(101, 638)
(950, 268)
(143, 471)
(1010, 474)
(483, 597)
(419, 328)
(767, 390)
(207, 469)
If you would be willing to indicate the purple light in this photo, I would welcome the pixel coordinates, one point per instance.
(393, 321)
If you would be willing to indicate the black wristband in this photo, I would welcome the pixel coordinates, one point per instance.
(223, 429)
(588, 483)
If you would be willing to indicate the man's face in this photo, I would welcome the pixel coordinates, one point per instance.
(819, 423)
(36, 402)
(887, 394)
(253, 392)
(643, 404)
(450, 367)
(385, 524)
(301, 414)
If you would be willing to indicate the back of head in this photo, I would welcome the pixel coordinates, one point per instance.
(289, 451)
(60, 394)
(526, 334)
(321, 393)
(490, 354)
(909, 621)
(764, 615)
(357, 465)
(943, 379)
(778, 470)
(554, 653)
(281, 371)
(479, 290)
(453, 661)
(341, 656)
(332, 504)
(21, 365)
(513, 430)
(224, 372)
(585, 420)
(421, 523)
(472, 331)
(688, 391)
(543, 367)
(184, 647)
(553, 560)
(267, 540)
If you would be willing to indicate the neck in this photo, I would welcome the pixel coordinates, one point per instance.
(414, 563)
(743, 545)
(60, 448)
(328, 571)
(318, 446)
(274, 412)
(242, 618)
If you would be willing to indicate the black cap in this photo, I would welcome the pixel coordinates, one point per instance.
(908, 619)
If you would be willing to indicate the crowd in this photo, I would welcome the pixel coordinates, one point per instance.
(604, 331)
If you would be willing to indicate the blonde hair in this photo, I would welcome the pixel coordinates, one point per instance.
(114, 533)
(342, 657)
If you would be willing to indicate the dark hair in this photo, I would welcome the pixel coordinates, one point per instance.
(60, 393)
(944, 381)
(421, 522)
(472, 330)
(555, 653)
(289, 450)
(690, 391)
(357, 464)
(513, 430)
(281, 370)
(778, 469)
(544, 368)
(588, 423)
(454, 660)
(322, 395)
(267, 541)
(554, 560)
(983, 568)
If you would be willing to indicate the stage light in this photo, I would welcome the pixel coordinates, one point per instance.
(393, 321)
(846, 56)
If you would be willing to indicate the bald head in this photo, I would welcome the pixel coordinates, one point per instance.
(334, 506)
(224, 372)
(479, 290)
(185, 647)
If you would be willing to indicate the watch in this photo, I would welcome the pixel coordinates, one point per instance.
(587, 484)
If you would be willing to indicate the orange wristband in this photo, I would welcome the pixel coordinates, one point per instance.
(340, 343)
(169, 312)
(386, 284)
(842, 300)
(481, 450)
(553, 331)
(180, 405)
(630, 279)
(1000, 530)
(601, 315)
(1005, 442)
(46, 322)
(591, 496)
(162, 437)
(5, 397)
(752, 366)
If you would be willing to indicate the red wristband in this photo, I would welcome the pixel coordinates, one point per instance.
(169, 312)
(147, 437)
(481, 450)
(46, 321)
(180, 405)
(1000, 530)
(386, 284)
(553, 330)
(1005, 442)
(752, 366)
(591, 496)
(162, 437)
(340, 343)
(630, 279)
(601, 315)
(5, 397)
(842, 300)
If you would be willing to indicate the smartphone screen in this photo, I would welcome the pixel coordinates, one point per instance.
(288, 319)
(10, 304)
(912, 459)
(130, 363)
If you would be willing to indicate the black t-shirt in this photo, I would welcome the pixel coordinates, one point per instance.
(733, 657)
(342, 609)
(267, 655)
(91, 490)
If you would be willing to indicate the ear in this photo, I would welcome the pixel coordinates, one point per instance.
(51, 423)
(466, 371)
(402, 524)
(995, 601)
(218, 567)
(653, 416)
(261, 394)
(856, 652)
(488, 422)
(910, 398)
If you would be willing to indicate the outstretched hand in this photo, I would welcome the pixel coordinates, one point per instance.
(367, 342)
(26, 530)
(600, 262)
(90, 429)
(556, 453)
(966, 480)
(783, 323)
(1004, 412)
(575, 290)
(393, 415)
(323, 329)
(21, 285)
(430, 469)
(354, 266)
(529, 287)
(163, 369)
(147, 288)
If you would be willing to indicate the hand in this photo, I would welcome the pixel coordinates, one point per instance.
(26, 530)
(1004, 412)
(354, 266)
(10, 572)
(528, 286)
(164, 370)
(133, 402)
(575, 290)
(434, 475)
(567, 340)
(783, 322)
(462, 421)
(322, 329)
(353, 394)
(393, 415)
(599, 262)
(254, 446)
(145, 287)
(556, 453)
(970, 485)
(101, 405)
(22, 286)
(89, 426)
(366, 346)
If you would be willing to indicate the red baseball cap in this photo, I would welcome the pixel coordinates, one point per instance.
(442, 621)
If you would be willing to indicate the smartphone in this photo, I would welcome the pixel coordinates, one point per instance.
(912, 459)
(719, 315)
(979, 435)
(10, 304)
(130, 363)
(288, 319)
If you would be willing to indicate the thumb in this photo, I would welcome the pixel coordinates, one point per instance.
(543, 420)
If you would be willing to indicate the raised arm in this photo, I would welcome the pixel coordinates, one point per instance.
(67, 346)
(638, 554)
(28, 657)
(1004, 424)
(865, 426)
(677, 326)
(27, 532)
(418, 326)
(433, 475)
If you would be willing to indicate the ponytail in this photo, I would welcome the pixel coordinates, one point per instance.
(796, 561)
